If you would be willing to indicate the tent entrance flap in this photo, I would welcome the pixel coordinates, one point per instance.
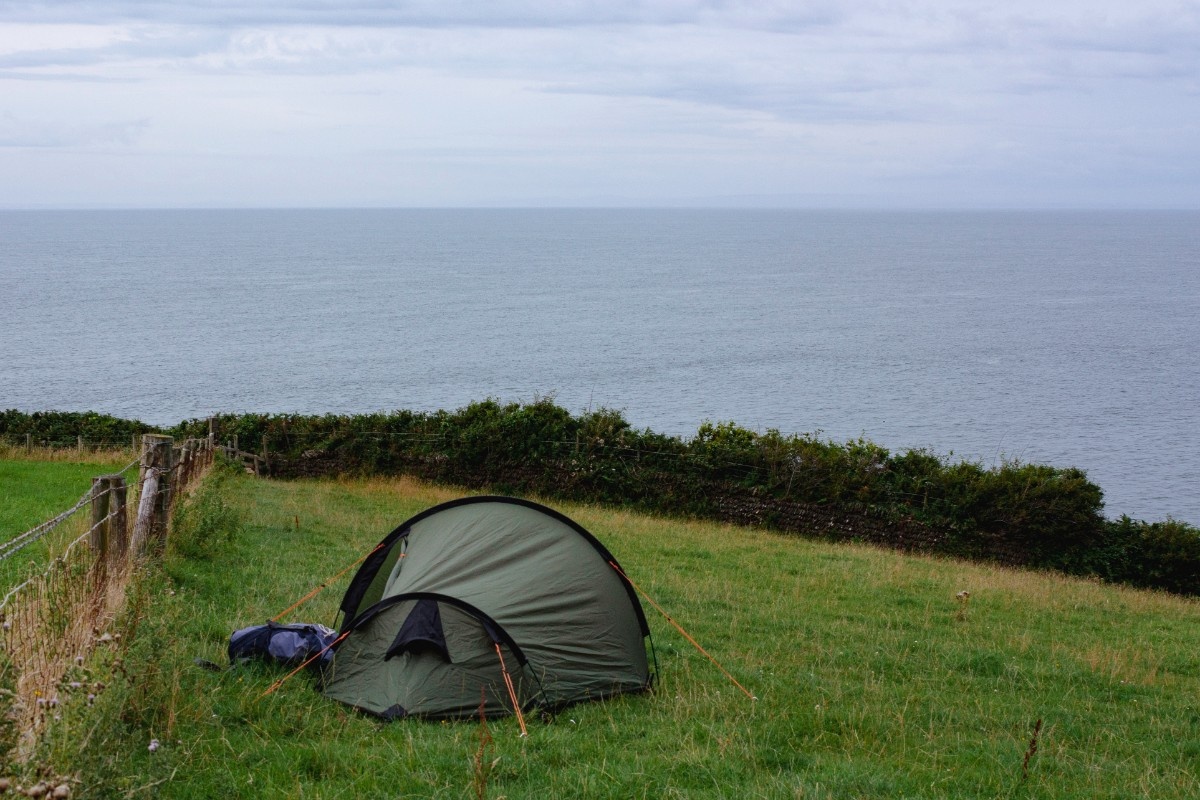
(421, 631)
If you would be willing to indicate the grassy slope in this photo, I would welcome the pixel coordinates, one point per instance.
(874, 681)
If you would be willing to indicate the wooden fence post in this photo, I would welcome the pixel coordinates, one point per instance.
(145, 513)
(157, 462)
(101, 499)
(28, 442)
(182, 464)
(109, 535)
(145, 449)
(187, 465)
(191, 451)
(118, 528)
(166, 493)
(79, 444)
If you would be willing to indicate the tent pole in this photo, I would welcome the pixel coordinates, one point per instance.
(512, 692)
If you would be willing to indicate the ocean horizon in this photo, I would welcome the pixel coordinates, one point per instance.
(1060, 337)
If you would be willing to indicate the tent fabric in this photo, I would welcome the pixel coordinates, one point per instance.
(428, 608)
(421, 630)
(420, 681)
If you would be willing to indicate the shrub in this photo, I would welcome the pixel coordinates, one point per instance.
(1162, 555)
(204, 522)
(62, 428)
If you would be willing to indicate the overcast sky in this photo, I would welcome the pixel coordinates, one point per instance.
(1022, 103)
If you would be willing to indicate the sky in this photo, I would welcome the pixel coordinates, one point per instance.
(440, 103)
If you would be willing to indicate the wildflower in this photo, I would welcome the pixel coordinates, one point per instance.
(153, 745)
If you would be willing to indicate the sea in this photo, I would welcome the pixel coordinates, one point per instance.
(1070, 338)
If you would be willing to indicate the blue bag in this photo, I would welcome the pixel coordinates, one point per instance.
(289, 645)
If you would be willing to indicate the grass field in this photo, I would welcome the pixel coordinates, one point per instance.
(875, 678)
(33, 490)
(37, 488)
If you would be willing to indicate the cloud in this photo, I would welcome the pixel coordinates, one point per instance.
(426, 13)
(17, 132)
(725, 95)
(599, 47)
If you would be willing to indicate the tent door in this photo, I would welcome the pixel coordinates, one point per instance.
(421, 632)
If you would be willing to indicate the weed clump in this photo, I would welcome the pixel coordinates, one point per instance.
(205, 522)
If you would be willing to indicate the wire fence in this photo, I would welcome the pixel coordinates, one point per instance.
(30, 442)
(15, 545)
(52, 620)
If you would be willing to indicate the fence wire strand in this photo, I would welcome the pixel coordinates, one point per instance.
(16, 544)
(51, 621)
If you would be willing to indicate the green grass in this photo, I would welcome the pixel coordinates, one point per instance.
(37, 487)
(873, 680)
(34, 489)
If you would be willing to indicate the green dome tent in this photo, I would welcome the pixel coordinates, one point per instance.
(479, 602)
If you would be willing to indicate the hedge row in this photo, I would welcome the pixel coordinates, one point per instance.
(1030, 515)
(63, 428)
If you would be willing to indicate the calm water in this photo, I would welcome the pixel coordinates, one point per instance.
(1067, 338)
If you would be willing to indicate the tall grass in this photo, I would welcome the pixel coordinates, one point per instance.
(874, 679)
